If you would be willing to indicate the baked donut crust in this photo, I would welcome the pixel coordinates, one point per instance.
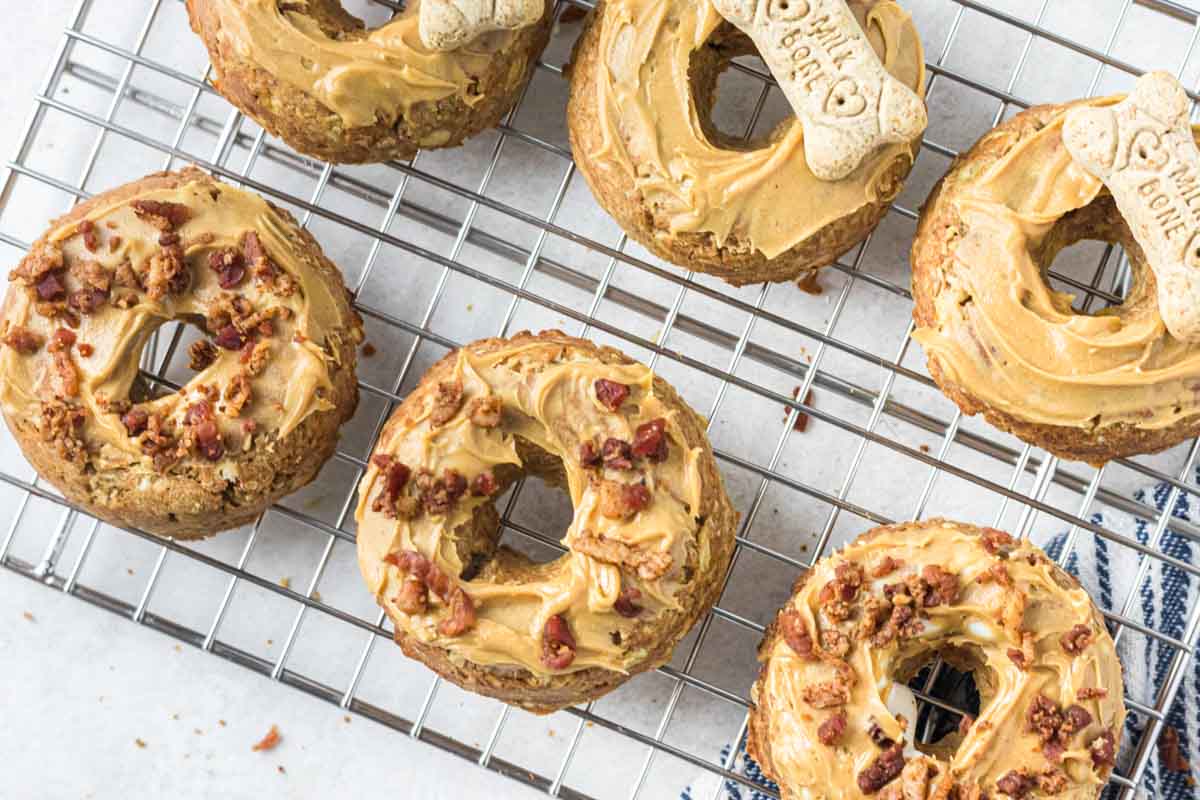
(987, 603)
(298, 75)
(129, 453)
(697, 197)
(637, 574)
(1138, 395)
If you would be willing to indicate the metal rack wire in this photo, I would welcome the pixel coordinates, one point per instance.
(744, 346)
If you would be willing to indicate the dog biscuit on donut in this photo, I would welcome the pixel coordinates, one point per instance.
(311, 74)
(271, 386)
(646, 551)
(643, 86)
(863, 622)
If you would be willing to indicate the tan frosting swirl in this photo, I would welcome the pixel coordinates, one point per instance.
(652, 129)
(982, 626)
(1005, 336)
(296, 375)
(363, 76)
(554, 407)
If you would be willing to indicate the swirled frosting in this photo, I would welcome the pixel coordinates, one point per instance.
(1016, 344)
(365, 77)
(652, 129)
(546, 390)
(1010, 615)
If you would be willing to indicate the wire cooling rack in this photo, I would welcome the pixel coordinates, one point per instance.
(821, 412)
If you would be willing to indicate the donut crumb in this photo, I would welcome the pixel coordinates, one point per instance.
(268, 742)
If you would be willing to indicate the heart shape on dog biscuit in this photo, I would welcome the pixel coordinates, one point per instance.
(1144, 151)
(848, 104)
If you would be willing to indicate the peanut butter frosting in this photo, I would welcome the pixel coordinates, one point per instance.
(293, 350)
(546, 392)
(1050, 683)
(1017, 345)
(652, 129)
(364, 76)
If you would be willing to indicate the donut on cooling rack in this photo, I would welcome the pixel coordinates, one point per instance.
(1001, 342)
(646, 551)
(643, 86)
(834, 720)
(313, 75)
(274, 378)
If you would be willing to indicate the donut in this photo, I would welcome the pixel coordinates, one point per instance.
(832, 718)
(643, 86)
(1002, 343)
(274, 375)
(646, 551)
(316, 77)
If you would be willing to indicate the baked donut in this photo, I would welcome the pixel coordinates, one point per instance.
(272, 384)
(313, 75)
(643, 86)
(1001, 342)
(864, 621)
(647, 549)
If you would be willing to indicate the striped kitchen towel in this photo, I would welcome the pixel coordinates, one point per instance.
(1162, 602)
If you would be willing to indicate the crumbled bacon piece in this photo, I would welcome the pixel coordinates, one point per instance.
(485, 411)
(163, 215)
(650, 440)
(1016, 785)
(882, 771)
(622, 500)
(91, 237)
(237, 394)
(446, 402)
(997, 541)
(835, 642)
(268, 742)
(201, 354)
(626, 604)
(1076, 640)
(23, 340)
(396, 476)
(901, 623)
(62, 424)
(413, 597)
(796, 634)
(86, 350)
(200, 419)
(943, 586)
(1076, 719)
(87, 300)
(50, 286)
(230, 338)
(438, 495)
(1169, 752)
(649, 563)
(617, 454)
(462, 614)
(830, 731)
(126, 276)
(1091, 693)
(168, 272)
(1043, 717)
(135, 420)
(827, 694)
(886, 566)
(610, 393)
(589, 456)
(558, 645)
(484, 484)
(114, 244)
(1104, 750)
(876, 734)
(229, 265)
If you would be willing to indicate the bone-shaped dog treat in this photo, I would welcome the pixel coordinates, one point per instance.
(449, 24)
(846, 101)
(1144, 152)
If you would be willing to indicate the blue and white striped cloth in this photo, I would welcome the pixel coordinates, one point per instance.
(1166, 595)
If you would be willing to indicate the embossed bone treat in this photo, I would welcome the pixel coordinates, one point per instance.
(845, 99)
(1144, 152)
(449, 24)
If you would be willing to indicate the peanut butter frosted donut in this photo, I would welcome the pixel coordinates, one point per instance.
(865, 620)
(311, 74)
(272, 384)
(1001, 342)
(643, 85)
(647, 549)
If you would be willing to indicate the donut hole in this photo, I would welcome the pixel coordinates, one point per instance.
(344, 19)
(958, 678)
(726, 98)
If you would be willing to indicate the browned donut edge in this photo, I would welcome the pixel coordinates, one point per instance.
(735, 261)
(932, 260)
(519, 687)
(758, 730)
(292, 462)
(309, 127)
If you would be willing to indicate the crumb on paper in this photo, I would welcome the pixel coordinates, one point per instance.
(178, 648)
(141, 743)
(801, 423)
(924, 448)
(28, 615)
(221, 722)
(129, 570)
(270, 642)
(175, 715)
(268, 742)
(316, 596)
(281, 770)
(470, 307)
(346, 719)
(810, 285)
(197, 731)
(285, 582)
(368, 350)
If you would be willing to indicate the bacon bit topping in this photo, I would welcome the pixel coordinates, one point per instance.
(229, 265)
(485, 411)
(626, 604)
(558, 645)
(622, 500)
(162, 215)
(882, 771)
(114, 244)
(269, 741)
(617, 454)
(91, 238)
(876, 735)
(610, 393)
(87, 300)
(796, 634)
(201, 354)
(1170, 753)
(396, 476)
(997, 542)
(886, 566)
(62, 423)
(484, 484)
(135, 420)
(649, 563)
(425, 574)
(462, 614)
(650, 440)
(901, 623)
(1076, 640)
(589, 456)
(830, 731)
(438, 495)
(943, 586)
(86, 350)
(1091, 693)
(446, 402)
(168, 272)
(1043, 717)
(23, 340)
(237, 394)
(413, 597)
(801, 423)
(50, 286)
(230, 338)
(208, 437)
(368, 350)
(1104, 750)
(827, 694)
(1016, 785)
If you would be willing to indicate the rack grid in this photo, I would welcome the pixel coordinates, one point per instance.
(509, 225)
